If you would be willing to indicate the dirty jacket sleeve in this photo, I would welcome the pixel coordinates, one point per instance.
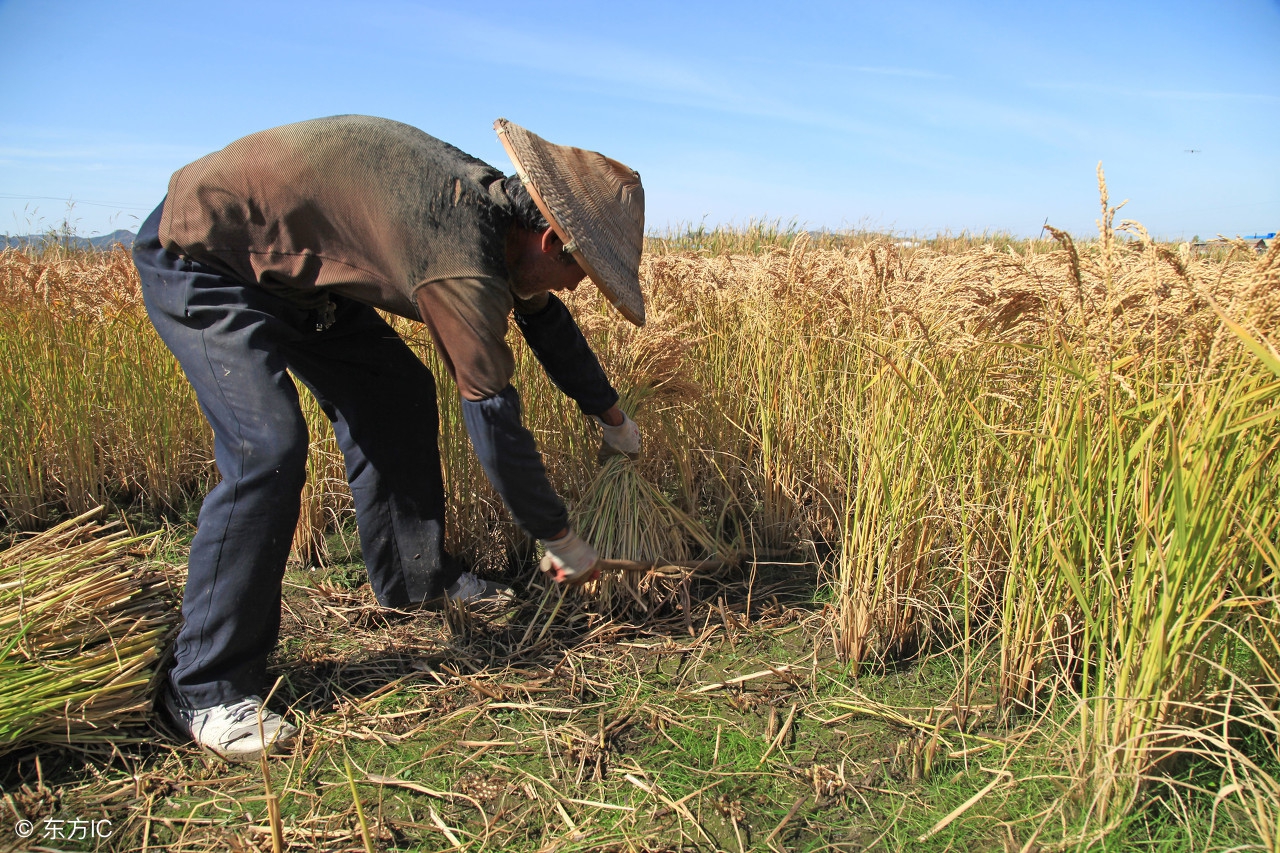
(467, 319)
(556, 341)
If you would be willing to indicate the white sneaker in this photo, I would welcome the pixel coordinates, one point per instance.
(477, 592)
(231, 731)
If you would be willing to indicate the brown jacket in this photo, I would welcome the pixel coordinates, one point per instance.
(364, 207)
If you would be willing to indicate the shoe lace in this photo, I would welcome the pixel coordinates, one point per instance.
(245, 710)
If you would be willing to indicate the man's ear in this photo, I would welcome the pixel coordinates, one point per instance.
(551, 242)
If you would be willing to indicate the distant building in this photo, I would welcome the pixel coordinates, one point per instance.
(1260, 243)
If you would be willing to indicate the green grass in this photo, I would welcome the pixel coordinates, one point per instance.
(523, 742)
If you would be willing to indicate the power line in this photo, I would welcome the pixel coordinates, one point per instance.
(76, 201)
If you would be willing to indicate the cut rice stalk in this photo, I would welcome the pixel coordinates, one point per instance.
(627, 518)
(86, 624)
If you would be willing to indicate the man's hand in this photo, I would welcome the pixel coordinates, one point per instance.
(621, 435)
(569, 559)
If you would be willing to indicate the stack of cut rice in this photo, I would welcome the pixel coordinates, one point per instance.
(83, 625)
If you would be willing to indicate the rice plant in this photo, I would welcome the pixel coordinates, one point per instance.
(1063, 450)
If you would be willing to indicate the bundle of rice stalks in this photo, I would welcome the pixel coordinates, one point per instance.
(84, 625)
(650, 552)
(649, 545)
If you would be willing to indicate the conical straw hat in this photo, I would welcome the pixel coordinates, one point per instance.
(595, 205)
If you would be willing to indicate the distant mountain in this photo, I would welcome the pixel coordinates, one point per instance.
(38, 241)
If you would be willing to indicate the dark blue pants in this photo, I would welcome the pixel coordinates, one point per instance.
(238, 344)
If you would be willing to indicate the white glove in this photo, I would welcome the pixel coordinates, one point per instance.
(620, 440)
(569, 559)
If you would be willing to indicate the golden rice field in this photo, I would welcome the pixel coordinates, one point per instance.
(1053, 462)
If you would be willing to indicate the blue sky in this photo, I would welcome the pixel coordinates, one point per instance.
(917, 116)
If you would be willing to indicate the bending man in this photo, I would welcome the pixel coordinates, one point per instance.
(268, 258)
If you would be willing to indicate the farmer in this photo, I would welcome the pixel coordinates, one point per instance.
(265, 262)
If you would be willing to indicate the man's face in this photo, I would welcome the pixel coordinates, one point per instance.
(537, 264)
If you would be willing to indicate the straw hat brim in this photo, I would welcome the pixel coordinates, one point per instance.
(594, 203)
